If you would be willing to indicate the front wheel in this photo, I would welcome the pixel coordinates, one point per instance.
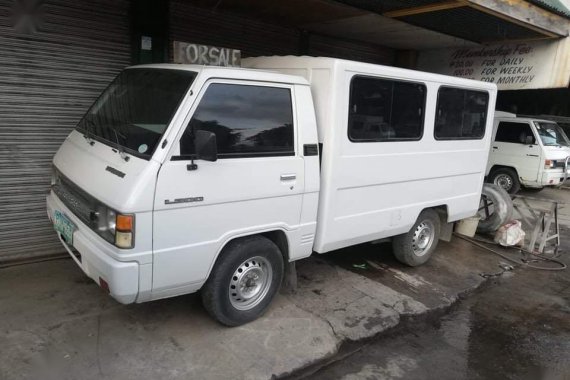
(506, 178)
(246, 277)
(416, 247)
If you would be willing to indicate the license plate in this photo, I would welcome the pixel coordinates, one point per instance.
(64, 226)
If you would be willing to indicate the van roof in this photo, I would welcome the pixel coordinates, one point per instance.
(230, 72)
(515, 118)
(298, 62)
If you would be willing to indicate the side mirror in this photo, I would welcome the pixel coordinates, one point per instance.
(205, 145)
(529, 140)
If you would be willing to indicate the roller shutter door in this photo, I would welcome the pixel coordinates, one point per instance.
(51, 70)
(324, 46)
(209, 27)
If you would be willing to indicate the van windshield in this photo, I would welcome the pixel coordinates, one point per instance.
(135, 110)
(551, 134)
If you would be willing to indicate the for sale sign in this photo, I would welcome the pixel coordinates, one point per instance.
(188, 53)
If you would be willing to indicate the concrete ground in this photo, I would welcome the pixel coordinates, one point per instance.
(517, 327)
(57, 323)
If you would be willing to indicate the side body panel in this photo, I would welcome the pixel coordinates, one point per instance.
(375, 190)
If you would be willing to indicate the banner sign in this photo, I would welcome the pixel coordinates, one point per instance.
(188, 53)
(511, 66)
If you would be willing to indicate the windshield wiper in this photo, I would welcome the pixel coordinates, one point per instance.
(119, 146)
(87, 123)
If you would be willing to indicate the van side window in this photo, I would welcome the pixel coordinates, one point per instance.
(249, 121)
(460, 114)
(385, 110)
(516, 133)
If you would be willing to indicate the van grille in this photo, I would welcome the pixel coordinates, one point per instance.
(560, 163)
(78, 201)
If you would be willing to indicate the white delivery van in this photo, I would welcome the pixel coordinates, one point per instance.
(181, 178)
(528, 152)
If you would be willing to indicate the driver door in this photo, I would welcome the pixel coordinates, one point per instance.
(256, 184)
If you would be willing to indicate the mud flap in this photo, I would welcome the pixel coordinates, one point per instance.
(290, 278)
(446, 231)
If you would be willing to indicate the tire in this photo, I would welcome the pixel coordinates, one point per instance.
(500, 208)
(506, 178)
(412, 248)
(254, 262)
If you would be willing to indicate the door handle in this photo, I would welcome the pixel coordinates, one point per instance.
(288, 177)
(532, 155)
(495, 147)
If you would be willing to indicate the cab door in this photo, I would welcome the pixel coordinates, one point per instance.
(516, 146)
(256, 184)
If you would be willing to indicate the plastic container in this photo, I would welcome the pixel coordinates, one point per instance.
(467, 226)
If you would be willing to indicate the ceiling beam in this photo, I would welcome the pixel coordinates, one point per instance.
(425, 9)
(525, 14)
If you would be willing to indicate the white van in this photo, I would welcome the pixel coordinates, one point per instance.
(181, 178)
(528, 152)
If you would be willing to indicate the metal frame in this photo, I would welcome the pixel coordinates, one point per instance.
(542, 221)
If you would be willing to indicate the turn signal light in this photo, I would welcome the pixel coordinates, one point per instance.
(124, 231)
(548, 164)
(124, 222)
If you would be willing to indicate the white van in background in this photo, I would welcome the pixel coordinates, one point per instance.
(183, 178)
(528, 152)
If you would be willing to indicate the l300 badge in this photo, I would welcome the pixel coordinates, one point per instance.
(183, 200)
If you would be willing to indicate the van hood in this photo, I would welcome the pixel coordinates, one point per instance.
(126, 186)
(556, 152)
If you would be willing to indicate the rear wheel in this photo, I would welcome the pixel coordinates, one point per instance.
(506, 178)
(417, 245)
(246, 277)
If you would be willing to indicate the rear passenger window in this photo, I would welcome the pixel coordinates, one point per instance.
(385, 110)
(516, 133)
(460, 114)
(249, 121)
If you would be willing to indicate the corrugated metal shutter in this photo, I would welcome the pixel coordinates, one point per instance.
(48, 78)
(356, 51)
(210, 27)
(255, 38)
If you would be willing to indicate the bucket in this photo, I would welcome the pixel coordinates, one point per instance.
(467, 226)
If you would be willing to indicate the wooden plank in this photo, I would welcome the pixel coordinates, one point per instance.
(425, 9)
(524, 14)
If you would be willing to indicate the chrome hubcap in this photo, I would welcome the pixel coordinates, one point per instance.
(250, 283)
(504, 181)
(423, 237)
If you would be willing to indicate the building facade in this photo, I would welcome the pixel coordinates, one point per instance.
(58, 55)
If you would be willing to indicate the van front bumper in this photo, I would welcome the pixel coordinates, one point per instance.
(553, 177)
(94, 259)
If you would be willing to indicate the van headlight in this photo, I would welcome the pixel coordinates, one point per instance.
(116, 228)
